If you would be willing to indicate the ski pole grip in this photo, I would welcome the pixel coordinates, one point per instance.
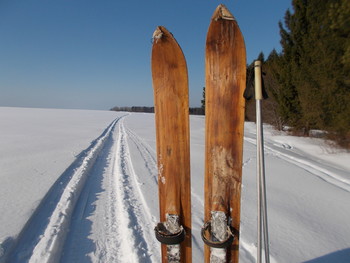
(258, 84)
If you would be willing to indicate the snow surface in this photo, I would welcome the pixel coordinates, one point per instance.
(81, 186)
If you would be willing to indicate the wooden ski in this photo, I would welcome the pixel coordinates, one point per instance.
(170, 84)
(225, 65)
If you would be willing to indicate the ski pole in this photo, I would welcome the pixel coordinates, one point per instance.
(261, 185)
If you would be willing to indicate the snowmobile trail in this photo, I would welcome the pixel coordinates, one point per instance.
(332, 175)
(96, 211)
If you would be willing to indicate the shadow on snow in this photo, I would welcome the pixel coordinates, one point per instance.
(340, 256)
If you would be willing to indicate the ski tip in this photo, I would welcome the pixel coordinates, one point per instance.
(159, 33)
(221, 12)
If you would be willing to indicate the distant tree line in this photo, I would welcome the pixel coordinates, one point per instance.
(309, 81)
(196, 111)
(134, 109)
(192, 111)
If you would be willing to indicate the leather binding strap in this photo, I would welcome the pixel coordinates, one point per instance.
(167, 238)
(216, 244)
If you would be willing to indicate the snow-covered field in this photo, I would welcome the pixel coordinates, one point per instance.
(81, 186)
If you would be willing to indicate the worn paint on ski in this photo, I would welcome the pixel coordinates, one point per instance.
(170, 84)
(225, 65)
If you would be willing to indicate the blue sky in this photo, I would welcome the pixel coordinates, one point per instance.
(91, 54)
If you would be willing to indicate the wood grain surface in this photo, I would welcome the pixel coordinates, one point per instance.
(225, 66)
(170, 84)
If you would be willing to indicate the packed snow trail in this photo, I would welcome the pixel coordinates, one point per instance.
(98, 210)
(43, 236)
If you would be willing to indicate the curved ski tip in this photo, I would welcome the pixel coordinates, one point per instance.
(159, 33)
(221, 12)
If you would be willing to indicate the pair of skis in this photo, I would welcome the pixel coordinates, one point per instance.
(225, 82)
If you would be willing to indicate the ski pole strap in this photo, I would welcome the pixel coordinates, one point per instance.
(168, 238)
(217, 244)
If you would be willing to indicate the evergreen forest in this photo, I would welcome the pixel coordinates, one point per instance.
(308, 82)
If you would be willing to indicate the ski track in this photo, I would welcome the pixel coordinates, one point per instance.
(316, 169)
(42, 237)
(147, 154)
(133, 209)
(117, 228)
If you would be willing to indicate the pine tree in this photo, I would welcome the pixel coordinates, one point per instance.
(261, 57)
(288, 97)
(314, 66)
(272, 106)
